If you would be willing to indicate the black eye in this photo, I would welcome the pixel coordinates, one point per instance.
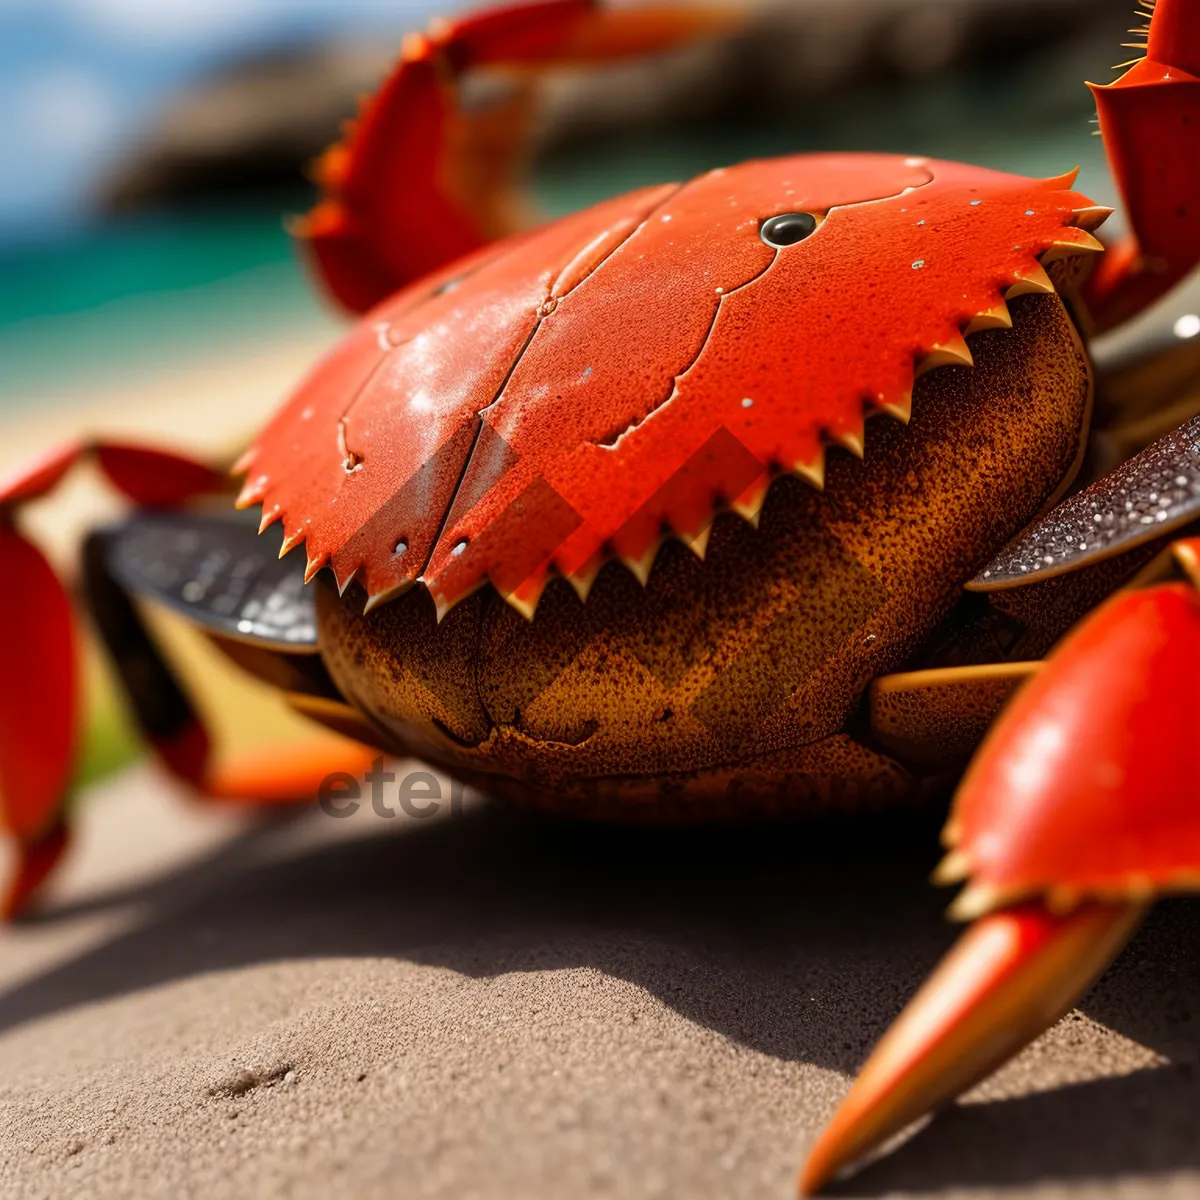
(787, 229)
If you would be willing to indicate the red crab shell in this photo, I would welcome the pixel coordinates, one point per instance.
(580, 392)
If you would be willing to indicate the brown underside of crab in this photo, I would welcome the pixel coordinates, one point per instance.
(729, 685)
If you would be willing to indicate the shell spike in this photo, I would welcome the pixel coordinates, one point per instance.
(315, 563)
(290, 542)
(1061, 183)
(996, 317)
(1092, 217)
(899, 407)
(269, 517)
(583, 577)
(853, 440)
(644, 563)
(953, 352)
(1072, 241)
(812, 472)
(1035, 282)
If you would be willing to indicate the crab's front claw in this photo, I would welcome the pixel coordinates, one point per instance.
(1079, 809)
(429, 172)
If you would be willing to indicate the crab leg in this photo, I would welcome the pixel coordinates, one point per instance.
(39, 699)
(1079, 809)
(425, 176)
(1150, 120)
(168, 719)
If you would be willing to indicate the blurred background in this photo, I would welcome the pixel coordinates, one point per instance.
(153, 147)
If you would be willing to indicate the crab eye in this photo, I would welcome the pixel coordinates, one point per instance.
(787, 229)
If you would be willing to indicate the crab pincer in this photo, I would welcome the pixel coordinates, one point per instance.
(1079, 809)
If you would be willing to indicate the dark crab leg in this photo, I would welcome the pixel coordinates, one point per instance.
(1078, 810)
(1150, 120)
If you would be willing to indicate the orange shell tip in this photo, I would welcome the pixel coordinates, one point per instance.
(525, 596)
(644, 563)
(251, 494)
(375, 599)
(344, 583)
(289, 543)
(1092, 217)
(954, 352)
(748, 506)
(269, 517)
(1061, 183)
(812, 472)
(900, 408)
(699, 544)
(1035, 282)
(582, 578)
(245, 462)
(1073, 241)
(997, 317)
(852, 440)
(314, 565)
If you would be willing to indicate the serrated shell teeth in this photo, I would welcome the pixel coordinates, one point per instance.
(1078, 241)
(698, 545)
(343, 581)
(375, 599)
(1061, 183)
(1036, 282)
(852, 440)
(583, 578)
(314, 565)
(245, 462)
(900, 408)
(1092, 217)
(997, 317)
(812, 472)
(524, 598)
(269, 517)
(748, 506)
(290, 542)
(954, 352)
(252, 493)
(642, 565)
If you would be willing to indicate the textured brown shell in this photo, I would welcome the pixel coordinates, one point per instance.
(731, 685)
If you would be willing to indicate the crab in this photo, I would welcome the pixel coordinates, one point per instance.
(750, 496)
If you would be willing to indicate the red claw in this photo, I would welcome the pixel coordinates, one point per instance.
(39, 698)
(1150, 120)
(1080, 808)
(1088, 786)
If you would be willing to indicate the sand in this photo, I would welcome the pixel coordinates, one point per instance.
(485, 1004)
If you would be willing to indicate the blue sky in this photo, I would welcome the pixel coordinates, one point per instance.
(78, 78)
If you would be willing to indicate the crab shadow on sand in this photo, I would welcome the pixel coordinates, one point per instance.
(799, 942)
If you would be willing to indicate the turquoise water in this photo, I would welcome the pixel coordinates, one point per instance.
(124, 298)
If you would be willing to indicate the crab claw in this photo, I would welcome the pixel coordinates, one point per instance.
(39, 692)
(425, 175)
(1010, 977)
(1078, 810)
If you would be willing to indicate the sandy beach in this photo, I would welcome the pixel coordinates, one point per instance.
(487, 1005)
